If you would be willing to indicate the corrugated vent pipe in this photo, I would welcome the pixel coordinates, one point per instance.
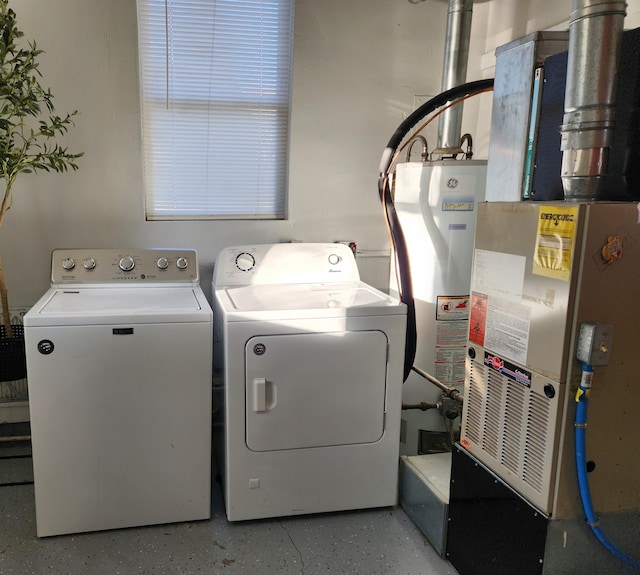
(454, 71)
(595, 32)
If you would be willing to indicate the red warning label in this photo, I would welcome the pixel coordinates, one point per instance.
(478, 318)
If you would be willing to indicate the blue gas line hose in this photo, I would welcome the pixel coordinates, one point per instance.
(582, 399)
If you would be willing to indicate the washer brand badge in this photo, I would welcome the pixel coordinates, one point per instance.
(45, 346)
(122, 331)
(514, 373)
(259, 348)
(556, 218)
(452, 183)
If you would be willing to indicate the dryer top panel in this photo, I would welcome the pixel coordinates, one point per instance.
(290, 263)
(314, 300)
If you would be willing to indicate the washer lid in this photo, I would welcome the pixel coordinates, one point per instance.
(118, 305)
(317, 300)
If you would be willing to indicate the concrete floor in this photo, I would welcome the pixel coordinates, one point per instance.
(371, 542)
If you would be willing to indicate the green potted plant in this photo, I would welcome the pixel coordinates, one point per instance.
(28, 129)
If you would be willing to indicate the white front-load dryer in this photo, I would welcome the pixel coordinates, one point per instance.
(308, 364)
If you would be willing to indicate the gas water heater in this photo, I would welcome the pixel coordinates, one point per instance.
(436, 202)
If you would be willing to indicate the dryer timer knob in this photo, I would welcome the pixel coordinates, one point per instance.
(182, 263)
(245, 262)
(334, 259)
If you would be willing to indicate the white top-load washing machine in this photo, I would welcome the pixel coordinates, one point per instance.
(308, 364)
(119, 373)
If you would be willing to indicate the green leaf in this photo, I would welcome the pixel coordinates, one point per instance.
(23, 143)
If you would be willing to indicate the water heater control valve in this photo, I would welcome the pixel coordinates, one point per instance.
(594, 343)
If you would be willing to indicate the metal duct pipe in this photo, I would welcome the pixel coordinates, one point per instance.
(454, 71)
(595, 32)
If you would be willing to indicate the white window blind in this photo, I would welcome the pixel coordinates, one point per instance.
(215, 89)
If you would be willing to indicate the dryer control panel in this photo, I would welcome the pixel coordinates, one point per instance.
(287, 263)
(128, 266)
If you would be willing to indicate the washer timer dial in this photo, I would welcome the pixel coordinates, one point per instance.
(126, 264)
(68, 264)
(245, 262)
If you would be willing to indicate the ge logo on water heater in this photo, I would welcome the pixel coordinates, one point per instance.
(452, 183)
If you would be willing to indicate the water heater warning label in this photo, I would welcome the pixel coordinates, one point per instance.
(452, 313)
(451, 308)
(554, 241)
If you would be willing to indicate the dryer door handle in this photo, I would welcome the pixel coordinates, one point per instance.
(260, 394)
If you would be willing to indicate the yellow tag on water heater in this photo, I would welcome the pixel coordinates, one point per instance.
(554, 241)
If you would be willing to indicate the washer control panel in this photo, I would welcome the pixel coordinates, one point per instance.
(286, 263)
(129, 266)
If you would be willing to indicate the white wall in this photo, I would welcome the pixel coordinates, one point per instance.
(357, 66)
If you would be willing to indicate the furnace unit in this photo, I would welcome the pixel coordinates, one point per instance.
(541, 271)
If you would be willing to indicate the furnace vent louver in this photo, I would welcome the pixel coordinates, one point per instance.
(511, 428)
(474, 403)
(491, 421)
(536, 442)
(513, 425)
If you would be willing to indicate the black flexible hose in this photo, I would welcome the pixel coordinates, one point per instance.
(395, 229)
(428, 107)
(404, 280)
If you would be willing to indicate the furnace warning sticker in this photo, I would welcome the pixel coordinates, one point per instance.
(507, 330)
(478, 318)
(554, 241)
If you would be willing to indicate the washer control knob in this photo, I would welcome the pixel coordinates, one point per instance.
(162, 263)
(126, 263)
(89, 263)
(334, 259)
(182, 263)
(68, 263)
(245, 262)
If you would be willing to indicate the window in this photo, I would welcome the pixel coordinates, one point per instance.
(215, 86)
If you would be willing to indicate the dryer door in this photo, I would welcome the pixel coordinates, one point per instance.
(315, 389)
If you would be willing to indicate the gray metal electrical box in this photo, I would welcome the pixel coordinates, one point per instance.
(594, 343)
(514, 106)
